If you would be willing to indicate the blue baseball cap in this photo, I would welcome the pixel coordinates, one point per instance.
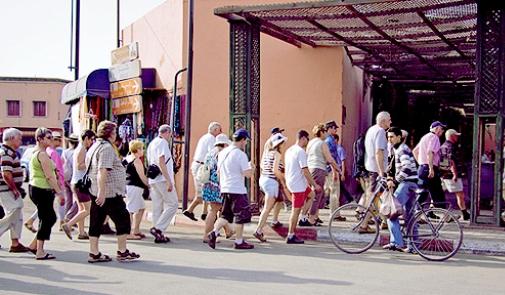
(437, 124)
(241, 133)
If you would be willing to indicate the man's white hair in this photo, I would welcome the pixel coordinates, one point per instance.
(213, 126)
(164, 128)
(10, 134)
(382, 116)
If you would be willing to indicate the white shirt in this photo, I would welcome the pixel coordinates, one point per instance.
(232, 163)
(157, 148)
(204, 145)
(295, 160)
(375, 139)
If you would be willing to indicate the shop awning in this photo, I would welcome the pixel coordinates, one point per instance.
(394, 39)
(94, 84)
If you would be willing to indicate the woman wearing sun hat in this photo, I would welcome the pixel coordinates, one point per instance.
(271, 177)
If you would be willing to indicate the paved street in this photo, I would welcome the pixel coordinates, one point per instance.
(187, 266)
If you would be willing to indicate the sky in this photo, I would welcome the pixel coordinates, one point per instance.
(35, 35)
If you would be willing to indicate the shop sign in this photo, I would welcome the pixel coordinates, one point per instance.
(126, 88)
(125, 71)
(125, 54)
(127, 105)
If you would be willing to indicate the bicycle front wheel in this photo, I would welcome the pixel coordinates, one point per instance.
(436, 234)
(352, 229)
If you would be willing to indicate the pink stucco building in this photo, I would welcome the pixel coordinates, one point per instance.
(299, 86)
(28, 103)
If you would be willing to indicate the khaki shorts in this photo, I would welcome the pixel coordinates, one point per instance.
(452, 186)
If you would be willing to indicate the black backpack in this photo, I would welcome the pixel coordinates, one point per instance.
(358, 149)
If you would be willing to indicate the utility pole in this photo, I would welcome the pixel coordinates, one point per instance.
(117, 27)
(77, 27)
(187, 125)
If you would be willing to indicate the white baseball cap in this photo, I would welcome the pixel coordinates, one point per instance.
(278, 139)
(450, 133)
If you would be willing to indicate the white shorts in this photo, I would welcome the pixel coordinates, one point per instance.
(198, 185)
(452, 186)
(134, 199)
(269, 186)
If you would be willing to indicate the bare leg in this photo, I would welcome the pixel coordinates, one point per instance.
(84, 209)
(211, 218)
(121, 243)
(269, 204)
(293, 220)
(93, 245)
(137, 219)
(277, 209)
(460, 197)
(196, 201)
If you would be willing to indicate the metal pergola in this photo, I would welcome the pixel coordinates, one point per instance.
(453, 41)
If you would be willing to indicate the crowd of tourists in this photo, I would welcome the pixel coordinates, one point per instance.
(92, 182)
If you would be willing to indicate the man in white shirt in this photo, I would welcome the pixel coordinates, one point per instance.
(298, 179)
(204, 145)
(162, 188)
(232, 167)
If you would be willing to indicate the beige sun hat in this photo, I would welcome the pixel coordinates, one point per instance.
(222, 139)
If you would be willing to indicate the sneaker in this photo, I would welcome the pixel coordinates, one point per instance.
(366, 230)
(276, 224)
(189, 215)
(260, 237)
(393, 247)
(203, 216)
(466, 215)
(294, 240)
(127, 256)
(19, 249)
(432, 216)
(212, 240)
(319, 221)
(243, 246)
(162, 239)
(306, 222)
(339, 218)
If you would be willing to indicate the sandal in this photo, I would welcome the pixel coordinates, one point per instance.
(98, 258)
(133, 237)
(83, 236)
(127, 255)
(141, 235)
(30, 227)
(46, 257)
(162, 239)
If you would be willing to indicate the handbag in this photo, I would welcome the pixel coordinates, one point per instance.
(84, 184)
(390, 206)
(154, 170)
(203, 174)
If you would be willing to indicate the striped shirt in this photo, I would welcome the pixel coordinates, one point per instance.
(267, 165)
(10, 162)
(406, 168)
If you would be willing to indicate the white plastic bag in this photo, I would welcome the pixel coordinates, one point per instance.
(390, 207)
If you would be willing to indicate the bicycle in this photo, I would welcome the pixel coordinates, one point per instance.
(434, 233)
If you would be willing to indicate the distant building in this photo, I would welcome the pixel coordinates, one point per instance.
(28, 103)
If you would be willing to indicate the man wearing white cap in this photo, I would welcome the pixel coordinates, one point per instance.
(451, 179)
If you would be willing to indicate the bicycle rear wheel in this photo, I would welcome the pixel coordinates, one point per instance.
(357, 233)
(436, 239)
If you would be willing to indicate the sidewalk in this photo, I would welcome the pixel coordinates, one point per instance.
(476, 239)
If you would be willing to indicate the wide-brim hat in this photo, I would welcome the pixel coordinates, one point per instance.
(222, 139)
(276, 130)
(73, 137)
(56, 134)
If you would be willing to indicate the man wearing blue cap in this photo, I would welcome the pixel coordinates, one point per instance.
(232, 167)
(427, 154)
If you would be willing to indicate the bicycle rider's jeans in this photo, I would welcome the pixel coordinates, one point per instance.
(406, 195)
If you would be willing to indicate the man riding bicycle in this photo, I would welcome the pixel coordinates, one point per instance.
(405, 182)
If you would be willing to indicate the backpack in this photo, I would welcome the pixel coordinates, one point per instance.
(358, 149)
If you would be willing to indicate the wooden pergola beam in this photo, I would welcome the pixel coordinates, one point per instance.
(443, 38)
(352, 43)
(395, 42)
